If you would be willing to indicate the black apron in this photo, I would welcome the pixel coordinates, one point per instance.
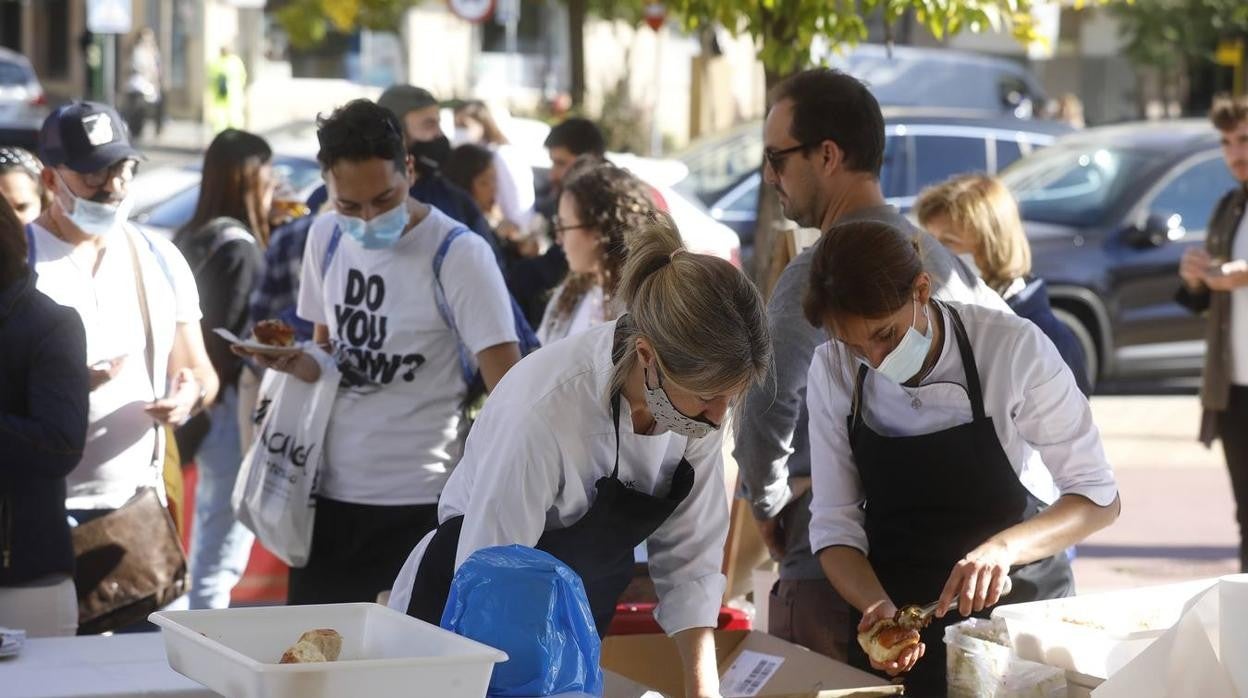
(930, 500)
(599, 547)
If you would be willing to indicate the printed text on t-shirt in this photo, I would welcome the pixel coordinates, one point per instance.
(362, 331)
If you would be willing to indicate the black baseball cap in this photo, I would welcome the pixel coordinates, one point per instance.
(85, 137)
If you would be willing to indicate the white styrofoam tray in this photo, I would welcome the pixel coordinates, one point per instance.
(384, 653)
(1096, 634)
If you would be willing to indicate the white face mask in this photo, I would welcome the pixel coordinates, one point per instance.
(93, 217)
(667, 416)
(906, 359)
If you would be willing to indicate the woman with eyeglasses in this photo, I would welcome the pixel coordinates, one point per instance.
(601, 205)
(951, 449)
(613, 437)
(20, 184)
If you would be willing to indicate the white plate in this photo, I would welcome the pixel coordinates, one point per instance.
(255, 346)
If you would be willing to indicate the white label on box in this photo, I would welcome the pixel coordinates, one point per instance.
(749, 672)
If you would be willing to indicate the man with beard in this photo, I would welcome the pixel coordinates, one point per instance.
(824, 147)
(1215, 281)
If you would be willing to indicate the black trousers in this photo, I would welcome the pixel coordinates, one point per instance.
(1233, 429)
(358, 550)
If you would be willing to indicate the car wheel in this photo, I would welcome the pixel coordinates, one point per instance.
(1086, 341)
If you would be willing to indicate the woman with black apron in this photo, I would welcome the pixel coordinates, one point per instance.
(950, 449)
(611, 438)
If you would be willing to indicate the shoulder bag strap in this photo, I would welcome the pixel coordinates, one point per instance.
(149, 346)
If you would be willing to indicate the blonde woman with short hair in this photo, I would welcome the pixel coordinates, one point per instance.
(976, 217)
(641, 400)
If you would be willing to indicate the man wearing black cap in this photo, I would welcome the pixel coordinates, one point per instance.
(138, 303)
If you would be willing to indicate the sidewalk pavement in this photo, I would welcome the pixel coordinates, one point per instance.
(178, 136)
(1178, 515)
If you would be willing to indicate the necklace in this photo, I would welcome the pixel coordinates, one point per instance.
(915, 402)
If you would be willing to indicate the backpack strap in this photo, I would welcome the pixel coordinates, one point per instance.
(330, 249)
(224, 230)
(467, 366)
(31, 255)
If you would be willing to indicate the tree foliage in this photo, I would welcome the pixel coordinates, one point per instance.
(308, 22)
(787, 29)
(1175, 34)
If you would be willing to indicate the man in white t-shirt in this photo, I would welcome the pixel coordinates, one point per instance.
(368, 285)
(85, 254)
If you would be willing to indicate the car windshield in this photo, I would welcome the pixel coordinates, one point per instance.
(1073, 185)
(12, 74)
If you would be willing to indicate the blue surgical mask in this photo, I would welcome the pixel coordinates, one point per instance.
(95, 218)
(906, 359)
(379, 232)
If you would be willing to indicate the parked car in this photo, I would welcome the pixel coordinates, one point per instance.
(912, 76)
(1109, 212)
(166, 197)
(922, 147)
(23, 103)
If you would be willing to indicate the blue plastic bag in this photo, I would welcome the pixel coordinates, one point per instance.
(530, 605)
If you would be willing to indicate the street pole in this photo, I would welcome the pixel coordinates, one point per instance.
(110, 69)
(656, 131)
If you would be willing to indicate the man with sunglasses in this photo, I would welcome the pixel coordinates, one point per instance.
(137, 299)
(824, 147)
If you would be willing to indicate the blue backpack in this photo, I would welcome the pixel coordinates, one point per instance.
(467, 365)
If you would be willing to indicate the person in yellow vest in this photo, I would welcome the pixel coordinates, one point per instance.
(227, 83)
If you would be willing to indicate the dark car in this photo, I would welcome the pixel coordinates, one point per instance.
(1109, 212)
(23, 104)
(922, 147)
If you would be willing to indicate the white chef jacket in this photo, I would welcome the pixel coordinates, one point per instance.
(1043, 422)
(533, 459)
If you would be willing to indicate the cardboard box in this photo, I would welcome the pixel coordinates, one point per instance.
(755, 663)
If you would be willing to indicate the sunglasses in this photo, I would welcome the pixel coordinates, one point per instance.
(776, 158)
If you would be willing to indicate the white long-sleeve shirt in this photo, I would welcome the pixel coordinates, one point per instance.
(535, 455)
(1043, 422)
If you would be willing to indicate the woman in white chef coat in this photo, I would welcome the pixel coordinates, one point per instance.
(950, 448)
(613, 437)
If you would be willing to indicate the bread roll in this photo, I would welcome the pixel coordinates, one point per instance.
(323, 645)
(886, 640)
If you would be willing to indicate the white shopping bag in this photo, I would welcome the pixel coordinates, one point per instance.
(273, 494)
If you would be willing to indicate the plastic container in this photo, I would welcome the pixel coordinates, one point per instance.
(384, 653)
(1096, 634)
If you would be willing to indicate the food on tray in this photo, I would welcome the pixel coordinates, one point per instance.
(274, 333)
(886, 640)
(323, 645)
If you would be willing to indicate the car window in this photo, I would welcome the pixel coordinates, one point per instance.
(893, 172)
(720, 163)
(1076, 185)
(743, 201)
(937, 158)
(1193, 193)
(13, 74)
(174, 212)
(1008, 151)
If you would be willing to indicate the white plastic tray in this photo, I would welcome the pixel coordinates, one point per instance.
(1096, 634)
(384, 653)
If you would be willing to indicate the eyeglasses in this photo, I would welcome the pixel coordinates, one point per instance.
(560, 228)
(776, 158)
(123, 170)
